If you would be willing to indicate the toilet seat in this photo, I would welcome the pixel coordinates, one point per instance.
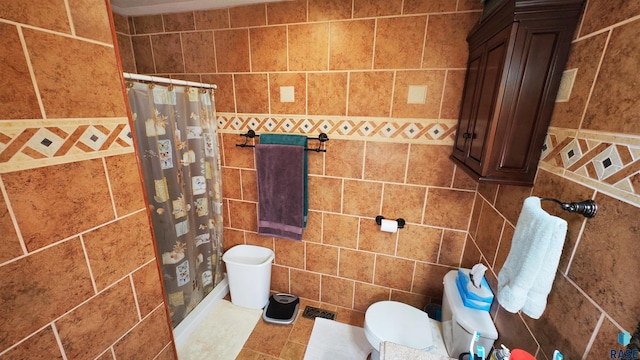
(399, 323)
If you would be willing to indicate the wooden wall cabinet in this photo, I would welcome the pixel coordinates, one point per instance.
(516, 58)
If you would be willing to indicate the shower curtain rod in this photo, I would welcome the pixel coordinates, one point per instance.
(163, 80)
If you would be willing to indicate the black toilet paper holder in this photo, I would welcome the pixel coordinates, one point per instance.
(400, 221)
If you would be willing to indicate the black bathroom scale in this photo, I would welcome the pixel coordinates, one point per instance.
(281, 309)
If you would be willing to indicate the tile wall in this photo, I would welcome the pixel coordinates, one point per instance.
(351, 64)
(79, 278)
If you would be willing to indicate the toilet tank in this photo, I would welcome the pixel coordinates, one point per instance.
(459, 322)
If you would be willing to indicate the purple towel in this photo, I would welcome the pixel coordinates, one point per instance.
(280, 171)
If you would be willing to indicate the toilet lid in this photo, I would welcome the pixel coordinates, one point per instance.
(399, 323)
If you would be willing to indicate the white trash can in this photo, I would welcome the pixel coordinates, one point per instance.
(249, 272)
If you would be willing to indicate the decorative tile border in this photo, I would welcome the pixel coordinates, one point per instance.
(421, 131)
(26, 144)
(607, 162)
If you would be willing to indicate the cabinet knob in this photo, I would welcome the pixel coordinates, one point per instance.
(466, 135)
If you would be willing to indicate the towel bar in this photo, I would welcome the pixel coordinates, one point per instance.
(587, 208)
(251, 134)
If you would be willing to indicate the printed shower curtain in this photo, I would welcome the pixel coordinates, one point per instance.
(178, 145)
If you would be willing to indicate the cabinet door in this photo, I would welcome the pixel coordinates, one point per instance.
(489, 100)
(460, 149)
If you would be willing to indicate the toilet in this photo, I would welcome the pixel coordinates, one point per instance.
(405, 325)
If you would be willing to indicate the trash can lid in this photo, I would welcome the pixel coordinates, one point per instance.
(248, 255)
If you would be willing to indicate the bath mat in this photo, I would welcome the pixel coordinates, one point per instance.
(221, 334)
(331, 340)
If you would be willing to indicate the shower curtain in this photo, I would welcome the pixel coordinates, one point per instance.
(178, 148)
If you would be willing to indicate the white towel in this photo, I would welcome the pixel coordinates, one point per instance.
(525, 280)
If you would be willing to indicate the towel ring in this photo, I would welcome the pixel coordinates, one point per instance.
(587, 208)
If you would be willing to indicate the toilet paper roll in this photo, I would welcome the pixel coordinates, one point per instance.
(389, 226)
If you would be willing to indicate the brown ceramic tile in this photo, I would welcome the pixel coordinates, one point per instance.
(42, 210)
(148, 24)
(373, 8)
(244, 215)
(9, 241)
(309, 48)
(148, 287)
(344, 158)
(121, 23)
(249, 185)
(232, 238)
(416, 300)
(299, 83)
(212, 19)
(268, 338)
(363, 102)
(249, 15)
(268, 48)
(125, 183)
(475, 215)
(252, 238)
(471, 254)
(279, 279)
(322, 259)
(351, 317)
(403, 201)
(489, 229)
(605, 341)
(337, 291)
(293, 351)
(393, 272)
(385, 161)
(287, 12)
(153, 332)
(126, 53)
(302, 328)
(452, 96)
(237, 156)
(340, 230)
(52, 55)
(21, 104)
(451, 248)
(316, 164)
(325, 193)
(351, 44)
(600, 14)
(513, 331)
(232, 50)
(314, 227)
(399, 42)
(446, 45)
(225, 210)
(615, 85)
(461, 180)
(374, 240)
(448, 208)
(550, 185)
(488, 191)
(420, 6)
(168, 353)
(231, 182)
(366, 295)
(362, 198)
(198, 53)
(567, 323)
(167, 53)
(430, 165)
(116, 249)
(252, 93)
(469, 5)
(432, 79)
(419, 243)
(224, 95)
(504, 247)
(88, 330)
(427, 279)
(305, 284)
(356, 265)
(179, 21)
(289, 253)
(584, 56)
(143, 54)
(327, 94)
(91, 19)
(50, 15)
(186, 77)
(509, 201)
(600, 267)
(322, 10)
(42, 344)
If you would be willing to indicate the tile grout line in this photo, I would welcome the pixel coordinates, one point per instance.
(444, 88)
(424, 40)
(135, 296)
(106, 173)
(578, 240)
(595, 80)
(594, 334)
(32, 72)
(69, 17)
(56, 334)
(86, 258)
(12, 215)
